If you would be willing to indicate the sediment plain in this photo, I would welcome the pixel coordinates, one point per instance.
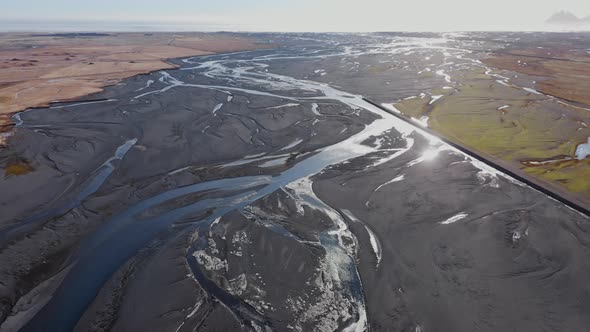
(38, 69)
(258, 190)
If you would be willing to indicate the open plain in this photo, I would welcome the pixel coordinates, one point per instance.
(38, 69)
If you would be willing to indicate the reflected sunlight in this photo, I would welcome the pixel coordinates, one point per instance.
(430, 154)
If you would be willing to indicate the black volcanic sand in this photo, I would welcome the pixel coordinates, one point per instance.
(182, 201)
(515, 262)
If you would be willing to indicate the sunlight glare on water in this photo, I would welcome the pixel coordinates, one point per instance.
(430, 154)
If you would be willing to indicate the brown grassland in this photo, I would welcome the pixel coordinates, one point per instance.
(36, 70)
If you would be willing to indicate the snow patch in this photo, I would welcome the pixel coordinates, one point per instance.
(434, 99)
(583, 150)
(533, 91)
(455, 218)
(217, 108)
(293, 144)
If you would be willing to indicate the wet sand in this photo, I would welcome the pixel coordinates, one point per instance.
(260, 191)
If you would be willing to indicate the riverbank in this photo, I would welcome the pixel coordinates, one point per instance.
(523, 103)
(545, 187)
(38, 69)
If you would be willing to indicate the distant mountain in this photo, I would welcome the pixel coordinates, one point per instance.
(567, 18)
(563, 17)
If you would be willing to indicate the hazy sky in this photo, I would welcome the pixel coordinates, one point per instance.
(305, 15)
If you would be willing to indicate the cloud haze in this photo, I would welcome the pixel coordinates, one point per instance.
(306, 15)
